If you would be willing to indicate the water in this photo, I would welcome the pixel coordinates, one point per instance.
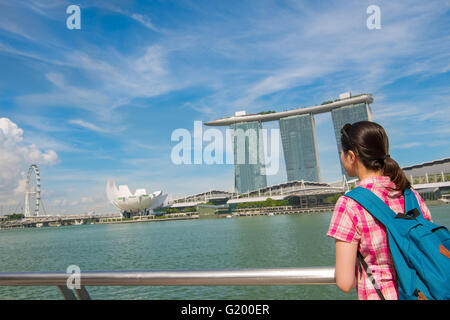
(244, 242)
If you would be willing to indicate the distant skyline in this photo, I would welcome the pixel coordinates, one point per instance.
(102, 102)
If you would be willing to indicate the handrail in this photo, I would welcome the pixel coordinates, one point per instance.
(233, 277)
(236, 277)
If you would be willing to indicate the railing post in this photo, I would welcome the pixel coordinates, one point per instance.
(67, 293)
(82, 293)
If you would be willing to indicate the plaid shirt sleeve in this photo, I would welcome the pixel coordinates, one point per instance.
(344, 222)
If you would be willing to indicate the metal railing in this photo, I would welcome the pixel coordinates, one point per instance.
(236, 277)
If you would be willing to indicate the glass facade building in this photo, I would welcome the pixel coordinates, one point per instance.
(348, 114)
(249, 164)
(298, 136)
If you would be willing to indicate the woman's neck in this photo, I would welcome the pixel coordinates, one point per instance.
(363, 173)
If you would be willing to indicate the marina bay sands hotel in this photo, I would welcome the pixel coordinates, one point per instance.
(298, 136)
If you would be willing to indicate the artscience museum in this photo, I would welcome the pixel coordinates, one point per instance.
(130, 204)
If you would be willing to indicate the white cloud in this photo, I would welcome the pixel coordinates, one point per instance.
(87, 125)
(141, 18)
(287, 48)
(15, 158)
(80, 201)
(59, 202)
(408, 145)
(87, 200)
(144, 20)
(55, 78)
(116, 80)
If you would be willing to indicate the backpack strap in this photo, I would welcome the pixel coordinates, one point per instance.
(411, 203)
(369, 274)
(412, 207)
(373, 204)
(410, 200)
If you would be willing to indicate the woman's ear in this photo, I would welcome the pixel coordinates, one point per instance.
(351, 156)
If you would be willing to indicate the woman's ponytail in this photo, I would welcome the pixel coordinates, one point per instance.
(393, 171)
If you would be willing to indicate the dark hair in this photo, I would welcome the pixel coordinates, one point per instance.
(370, 143)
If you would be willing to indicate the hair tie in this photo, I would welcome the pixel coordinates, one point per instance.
(387, 156)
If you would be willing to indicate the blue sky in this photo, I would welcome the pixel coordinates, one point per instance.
(103, 101)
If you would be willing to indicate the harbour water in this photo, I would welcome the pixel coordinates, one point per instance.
(297, 240)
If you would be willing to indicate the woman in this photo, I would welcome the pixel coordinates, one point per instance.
(365, 154)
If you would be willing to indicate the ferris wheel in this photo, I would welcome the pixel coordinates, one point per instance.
(33, 189)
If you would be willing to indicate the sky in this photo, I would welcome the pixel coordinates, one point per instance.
(102, 102)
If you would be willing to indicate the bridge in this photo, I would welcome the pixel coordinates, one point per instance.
(214, 196)
(308, 194)
(54, 221)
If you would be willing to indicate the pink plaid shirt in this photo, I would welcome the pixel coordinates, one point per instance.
(352, 223)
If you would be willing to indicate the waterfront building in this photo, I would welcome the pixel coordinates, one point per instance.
(300, 194)
(298, 136)
(216, 197)
(249, 169)
(348, 114)
(428, 172)
(431, 179)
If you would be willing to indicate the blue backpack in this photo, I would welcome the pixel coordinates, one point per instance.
(419, 248)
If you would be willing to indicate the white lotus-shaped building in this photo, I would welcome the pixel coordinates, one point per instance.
(133, 203)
